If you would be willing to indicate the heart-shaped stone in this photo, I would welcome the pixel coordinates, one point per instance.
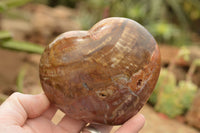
(104, 75)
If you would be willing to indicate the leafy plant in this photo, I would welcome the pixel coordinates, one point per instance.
(69, 3)
(166, 32)
(22, 46)
(20, 79)
(7, 4)
(171, 98)
(167, 20)
(166, 81)
(192, 9)
(6, 40)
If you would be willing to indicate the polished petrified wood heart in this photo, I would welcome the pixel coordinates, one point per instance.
(104, 75)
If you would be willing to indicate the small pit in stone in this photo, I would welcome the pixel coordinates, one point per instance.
(102, 94)
(139, 83)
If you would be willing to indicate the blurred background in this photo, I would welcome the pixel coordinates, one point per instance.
(26, 27)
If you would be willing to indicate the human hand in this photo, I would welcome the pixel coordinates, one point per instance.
(22, 113)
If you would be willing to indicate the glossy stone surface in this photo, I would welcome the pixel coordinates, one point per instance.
(104, 75)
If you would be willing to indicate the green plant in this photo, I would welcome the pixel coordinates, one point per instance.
(166, 81)
(8, 4)
(69, 3)
(167, 20)
(20, 79)
(166, 32)
(6, 40)
(192, 9)
(170, 97)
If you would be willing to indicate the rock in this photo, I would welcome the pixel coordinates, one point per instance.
(49, 22)
(41, 23)
(18, 27)
(193, 115)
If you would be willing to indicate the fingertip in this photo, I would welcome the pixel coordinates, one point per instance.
(141, 117)
(44, 98)
(40, 103)
(133, 125)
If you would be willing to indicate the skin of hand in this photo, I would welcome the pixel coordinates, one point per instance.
(23, 113)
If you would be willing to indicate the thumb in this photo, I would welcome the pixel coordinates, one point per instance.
(18, 107)
(133, 125)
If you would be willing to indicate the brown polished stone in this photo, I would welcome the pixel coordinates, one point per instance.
(104, 75)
